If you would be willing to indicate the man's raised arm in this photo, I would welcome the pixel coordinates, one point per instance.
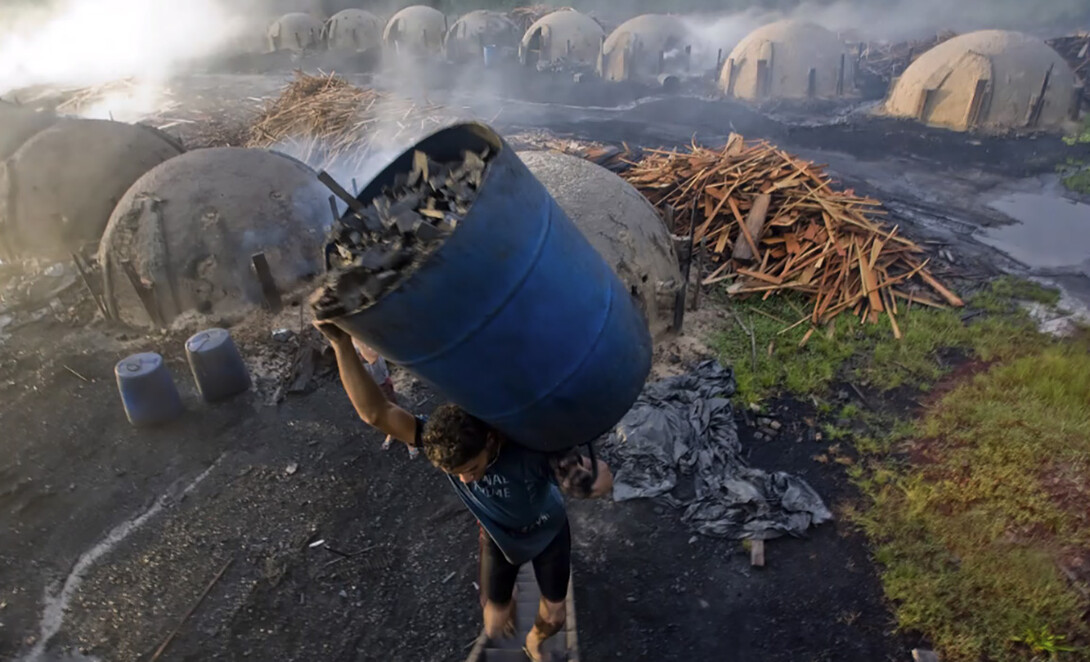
(366, 396)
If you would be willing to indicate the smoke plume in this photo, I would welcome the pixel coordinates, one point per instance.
(89, 42)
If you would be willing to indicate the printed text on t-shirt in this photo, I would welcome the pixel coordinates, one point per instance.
(492, 486)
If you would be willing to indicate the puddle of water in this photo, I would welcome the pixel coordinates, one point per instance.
(1051, 232)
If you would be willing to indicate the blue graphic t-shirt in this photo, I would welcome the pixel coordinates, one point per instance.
(517, 502)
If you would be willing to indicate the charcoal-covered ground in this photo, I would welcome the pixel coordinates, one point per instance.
(274, 480)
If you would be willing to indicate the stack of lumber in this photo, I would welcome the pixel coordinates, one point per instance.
(331, 124)
(885, 60)
(772, 223)
(1076, 50)
(616, 158)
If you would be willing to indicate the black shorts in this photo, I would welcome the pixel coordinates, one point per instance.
(552, 568)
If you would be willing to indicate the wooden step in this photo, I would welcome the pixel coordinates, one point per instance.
(563, 646)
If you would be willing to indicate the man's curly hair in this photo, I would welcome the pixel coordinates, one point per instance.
(452, 436)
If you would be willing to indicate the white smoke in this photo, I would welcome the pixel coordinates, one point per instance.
(90, 42)
(893, 22)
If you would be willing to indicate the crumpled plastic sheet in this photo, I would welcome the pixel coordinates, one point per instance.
(679, 443)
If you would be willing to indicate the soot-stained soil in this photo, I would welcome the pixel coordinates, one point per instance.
(252, 490)
(647, 588)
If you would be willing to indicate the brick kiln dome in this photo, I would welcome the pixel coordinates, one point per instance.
(190, 227)
(790, 51)
(990, 79)
(632, 50)
(477, 29)
(564, 35)
(417, 28)
(58, 188)
(354, 30)
(18, 124)
(295, 32)
(621, 225)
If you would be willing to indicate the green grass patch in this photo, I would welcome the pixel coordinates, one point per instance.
(970, 533)
(1076, 172)
(773, 360)
(1077, 178)
(970, 524)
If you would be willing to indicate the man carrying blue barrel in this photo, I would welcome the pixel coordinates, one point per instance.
(514, 492)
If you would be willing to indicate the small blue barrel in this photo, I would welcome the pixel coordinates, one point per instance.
(217, 365)
(516, 317)
(147, 389)
(489, 53)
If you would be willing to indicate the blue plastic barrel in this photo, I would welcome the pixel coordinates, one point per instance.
(217, 365)
(489, 53)
(147, 390)
(516, 318)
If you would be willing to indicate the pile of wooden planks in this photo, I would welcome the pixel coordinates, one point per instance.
(1076, 50)
(329, 123)
(611, 157)
(772, 223)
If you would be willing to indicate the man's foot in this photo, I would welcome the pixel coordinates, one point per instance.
(536, 655)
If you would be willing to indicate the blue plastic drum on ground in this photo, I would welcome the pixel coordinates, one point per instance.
(515, 317)
(147, 390)
(217, 365)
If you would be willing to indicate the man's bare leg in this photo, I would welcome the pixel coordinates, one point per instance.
(550, 620)
(499, 620)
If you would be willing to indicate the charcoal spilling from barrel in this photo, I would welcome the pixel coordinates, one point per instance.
(373, 249)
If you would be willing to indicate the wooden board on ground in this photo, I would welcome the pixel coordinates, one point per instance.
(563, 646)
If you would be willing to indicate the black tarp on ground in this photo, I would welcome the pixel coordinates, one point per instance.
(679, 443)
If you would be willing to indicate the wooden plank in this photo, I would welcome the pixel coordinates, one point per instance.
(1033, 117)
(761, 276)
(950, 297)
(762, 79)
(753, 228)
(269, 290)
(840, 74)
(977, 103)
(757, 553)
(146, 294)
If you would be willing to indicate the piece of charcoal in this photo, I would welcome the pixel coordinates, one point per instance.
(427, 232)
(396, 259)
(409, 201)
(385, 281)
(371, 288)
(472, 162)
(371, 220)
(407, 221)
(382, 206)
(374, 258)
(419, 172)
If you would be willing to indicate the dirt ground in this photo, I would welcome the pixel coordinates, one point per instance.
(258, 486)
(331, 549)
